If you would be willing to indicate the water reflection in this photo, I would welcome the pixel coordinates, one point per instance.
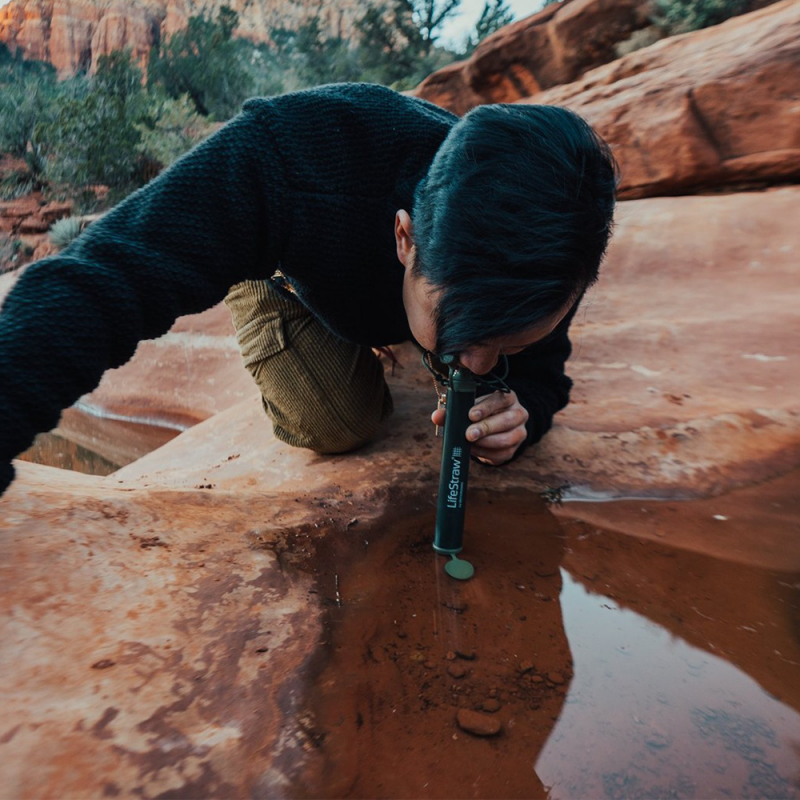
(649, 715)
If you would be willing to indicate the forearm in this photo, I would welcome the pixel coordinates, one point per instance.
(172, 248)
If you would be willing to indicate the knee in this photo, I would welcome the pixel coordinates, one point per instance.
(329, 433)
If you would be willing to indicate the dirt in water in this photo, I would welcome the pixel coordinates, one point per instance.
(612, 666)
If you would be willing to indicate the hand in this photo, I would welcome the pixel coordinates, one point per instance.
(499, 430)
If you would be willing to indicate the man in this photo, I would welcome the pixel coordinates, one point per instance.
(345, 217)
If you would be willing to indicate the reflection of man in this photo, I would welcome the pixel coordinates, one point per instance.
(499, 222)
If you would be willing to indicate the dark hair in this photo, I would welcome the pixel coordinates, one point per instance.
(512, 220)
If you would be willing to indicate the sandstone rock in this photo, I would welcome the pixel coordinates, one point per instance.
(33, 225)
(684, 384)
(554, 46)
(172, 383)
(706, 109)
(478, 723)
(73, 34)
(456, 671)
(52, 212)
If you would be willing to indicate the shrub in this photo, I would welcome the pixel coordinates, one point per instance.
(206, 63)
(63, 231)
(682, 16)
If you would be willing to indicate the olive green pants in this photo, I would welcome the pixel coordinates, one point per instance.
(320, 391)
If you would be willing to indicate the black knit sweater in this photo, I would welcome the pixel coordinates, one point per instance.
(307, 182)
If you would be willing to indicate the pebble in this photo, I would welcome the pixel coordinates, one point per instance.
(467, 654)
(456, 671)
(429, 665)
(556, 678)
(493, 691)
(537, 679)
(478, 723)
(491, 705)
(450, 656)
(526, 666)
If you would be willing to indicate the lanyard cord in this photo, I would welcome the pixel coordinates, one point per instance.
(496, 383)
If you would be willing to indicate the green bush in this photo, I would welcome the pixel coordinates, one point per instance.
(206, 63)
(63, 231)
(682, 16)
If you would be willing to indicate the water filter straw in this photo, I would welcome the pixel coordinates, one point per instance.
(452, 500)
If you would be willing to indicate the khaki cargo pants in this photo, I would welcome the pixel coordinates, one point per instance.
(320, 391)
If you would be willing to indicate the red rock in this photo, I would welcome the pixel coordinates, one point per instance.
(73, 34)
(55, 211)
(680, 119)
(554, 46)
(456, 671)
(478, 723)
(556, 677)
(491, 705)
(33, 225)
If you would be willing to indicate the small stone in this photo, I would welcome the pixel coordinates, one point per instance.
(467, 654)
(493, 692)
(450, 656)
(429, 665)
(526, 666)
(401, 634)
(491, 705)
(456, 671)
(104, 663)
(555, 677)
(537, 679)
(478, 723)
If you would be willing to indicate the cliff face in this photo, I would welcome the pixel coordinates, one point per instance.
(73, 34)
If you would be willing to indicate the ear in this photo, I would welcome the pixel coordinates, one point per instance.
(404, 238)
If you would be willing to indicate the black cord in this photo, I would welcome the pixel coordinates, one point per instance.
(496, 383)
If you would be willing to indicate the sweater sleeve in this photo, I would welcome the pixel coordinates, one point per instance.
(537, 376)
(173, 247)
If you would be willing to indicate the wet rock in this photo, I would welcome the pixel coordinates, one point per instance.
(478, 723)
(456, 671)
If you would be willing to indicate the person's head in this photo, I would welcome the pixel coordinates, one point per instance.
(508, 229)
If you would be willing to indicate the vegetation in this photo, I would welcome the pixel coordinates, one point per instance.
(681, 16)
(114, 130)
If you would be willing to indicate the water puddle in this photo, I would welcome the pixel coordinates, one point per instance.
(613, 666)
(97, 445)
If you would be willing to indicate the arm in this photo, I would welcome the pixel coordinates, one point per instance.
(173, 247)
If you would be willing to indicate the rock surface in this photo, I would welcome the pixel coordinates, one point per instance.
(554, 46)
(477, 723)
(73, 34)
(707, 109)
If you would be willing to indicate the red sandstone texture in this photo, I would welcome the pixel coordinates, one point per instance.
(555, 46)
(707, 109)
(73, 34)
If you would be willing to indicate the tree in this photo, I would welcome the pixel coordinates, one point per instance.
(205, 62)
(495, 14)
(92, 136)
(429, 15)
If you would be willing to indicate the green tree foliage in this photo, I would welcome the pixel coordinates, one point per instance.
(26, 89)
(681, 16)
(93, 135)
(495, 14)
(205, 62)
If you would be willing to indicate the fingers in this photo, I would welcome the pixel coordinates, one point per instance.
(511, 418)
(491, 404)
(438, 417)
